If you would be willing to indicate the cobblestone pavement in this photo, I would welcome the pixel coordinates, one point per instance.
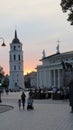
(47, 115)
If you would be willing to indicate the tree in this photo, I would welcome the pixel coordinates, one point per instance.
(5, 82)
(1, 76)
(1, 70)
(67, 5)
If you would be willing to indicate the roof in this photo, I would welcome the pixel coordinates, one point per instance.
(58, 54)
(15, 40)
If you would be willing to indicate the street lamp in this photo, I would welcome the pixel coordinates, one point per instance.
(3, 45)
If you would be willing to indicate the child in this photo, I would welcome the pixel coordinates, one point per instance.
(19, 103)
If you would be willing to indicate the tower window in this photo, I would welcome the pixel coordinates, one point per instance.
(15, 84)
(14, 67)
(18, 57)
(19, 67)
(11, 57)
(18, 46)
(17, 80)
(14, 48)
(14, 57)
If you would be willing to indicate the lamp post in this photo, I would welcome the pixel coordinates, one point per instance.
(3, 45)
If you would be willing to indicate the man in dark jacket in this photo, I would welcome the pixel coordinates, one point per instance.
(23, 96)
(71, 94)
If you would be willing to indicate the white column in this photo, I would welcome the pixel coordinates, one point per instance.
(40, 79)
(49, 78)
(54, 78)
(37, 79)
(45, 78)
(58, 78)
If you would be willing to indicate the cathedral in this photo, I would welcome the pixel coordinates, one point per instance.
(16, 80)
(56, 70)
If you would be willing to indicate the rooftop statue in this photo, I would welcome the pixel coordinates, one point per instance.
(57, 49)
(43, 54)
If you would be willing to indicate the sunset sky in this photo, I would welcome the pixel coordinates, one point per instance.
(39, 24)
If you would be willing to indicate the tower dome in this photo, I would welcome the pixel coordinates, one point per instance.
(15, 40)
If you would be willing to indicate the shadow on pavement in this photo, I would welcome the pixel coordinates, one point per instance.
(4, 108)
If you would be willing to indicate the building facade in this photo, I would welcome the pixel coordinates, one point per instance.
(52, 72)
(31, 79)
(16, 80)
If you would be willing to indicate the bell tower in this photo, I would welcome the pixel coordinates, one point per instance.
(16, 80)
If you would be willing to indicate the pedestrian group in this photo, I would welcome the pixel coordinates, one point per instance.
(21, 102)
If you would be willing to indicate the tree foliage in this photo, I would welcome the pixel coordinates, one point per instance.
(1, 70)
(67, 5)
(5, 83)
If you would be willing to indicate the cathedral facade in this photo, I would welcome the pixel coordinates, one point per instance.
(16, 80)
(56, 70)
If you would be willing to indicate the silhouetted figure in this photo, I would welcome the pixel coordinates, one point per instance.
(66, 66)
(19, 103)
(71, 94)
(23, 96)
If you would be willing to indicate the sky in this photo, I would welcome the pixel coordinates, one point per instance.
(39, 24)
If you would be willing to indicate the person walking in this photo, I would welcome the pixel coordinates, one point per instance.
(23, 96)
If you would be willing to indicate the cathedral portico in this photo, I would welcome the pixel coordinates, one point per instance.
(51, 73)
(54, 78)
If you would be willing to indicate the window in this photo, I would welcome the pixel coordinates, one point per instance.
(17, 80)
(14, 67)
(14, 48)
(19, 67)
(10, 57)
(14, 57)
(18, 46)
(15, 84)
(18, 57)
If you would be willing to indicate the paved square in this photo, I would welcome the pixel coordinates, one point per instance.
(47, 115)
